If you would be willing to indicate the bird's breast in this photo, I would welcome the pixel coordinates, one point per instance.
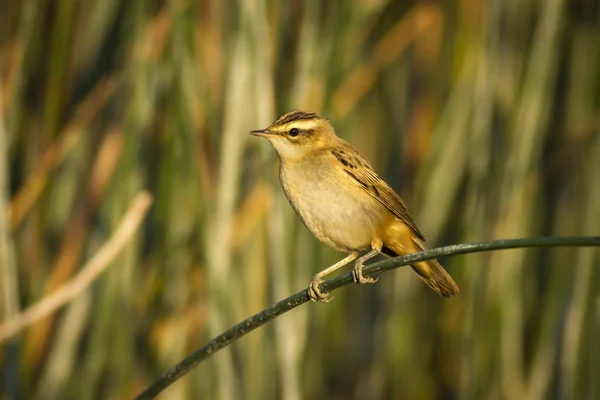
(339, 213)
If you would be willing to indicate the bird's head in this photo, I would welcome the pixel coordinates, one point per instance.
(297, 134)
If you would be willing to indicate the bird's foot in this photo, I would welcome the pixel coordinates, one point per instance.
(357, 275)
(315, 293)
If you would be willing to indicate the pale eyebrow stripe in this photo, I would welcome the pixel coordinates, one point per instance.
(302, 125)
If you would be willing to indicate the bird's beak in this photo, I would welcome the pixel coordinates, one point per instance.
(260, 132)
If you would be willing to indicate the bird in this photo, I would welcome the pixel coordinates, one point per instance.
(344, 203)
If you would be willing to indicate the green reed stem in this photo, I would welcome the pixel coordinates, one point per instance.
(295, 300)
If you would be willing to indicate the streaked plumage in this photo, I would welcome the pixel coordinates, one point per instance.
(342, 200)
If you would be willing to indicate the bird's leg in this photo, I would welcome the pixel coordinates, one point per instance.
(357, 275)
(313, 289)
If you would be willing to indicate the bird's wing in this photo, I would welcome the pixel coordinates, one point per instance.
(362, 174)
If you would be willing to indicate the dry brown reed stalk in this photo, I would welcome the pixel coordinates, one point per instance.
(422, 20)
(89, 272)
(101, 174)
(53, 157)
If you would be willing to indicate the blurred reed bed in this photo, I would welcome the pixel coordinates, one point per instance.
(482, 114)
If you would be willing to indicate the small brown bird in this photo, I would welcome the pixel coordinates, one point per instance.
(343, 202)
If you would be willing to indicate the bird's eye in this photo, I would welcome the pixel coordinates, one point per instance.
(294, 132)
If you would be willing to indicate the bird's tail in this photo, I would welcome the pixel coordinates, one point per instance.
(431, 272)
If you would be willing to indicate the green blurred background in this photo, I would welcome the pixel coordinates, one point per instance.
(483, 115)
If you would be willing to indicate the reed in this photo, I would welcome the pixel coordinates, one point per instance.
(483, 115)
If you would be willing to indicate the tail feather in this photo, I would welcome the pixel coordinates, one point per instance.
(431, 272)
(434, 275)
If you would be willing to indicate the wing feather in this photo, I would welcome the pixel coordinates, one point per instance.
(362, 174)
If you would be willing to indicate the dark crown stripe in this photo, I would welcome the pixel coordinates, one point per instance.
(295, 115)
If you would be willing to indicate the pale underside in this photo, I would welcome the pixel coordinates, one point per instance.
(347, 206)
